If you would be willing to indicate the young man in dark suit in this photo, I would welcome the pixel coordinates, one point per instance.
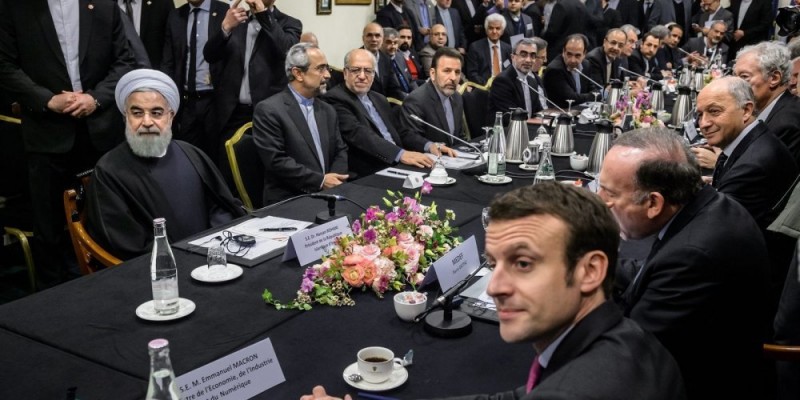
(67, 103)
(366, 123)
(517, 22)
(296, 135)
(689, 291)
(149, 18)
(396, 14)
(551, 248)
(643, 61)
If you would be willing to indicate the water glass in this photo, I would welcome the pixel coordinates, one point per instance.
(485, 217)
(217, 262)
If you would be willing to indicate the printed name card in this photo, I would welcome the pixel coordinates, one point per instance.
(313, 243)
(238, 376)
(413, 181)
(454, 266)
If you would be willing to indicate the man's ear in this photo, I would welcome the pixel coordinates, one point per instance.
(655, 204)
(591, 271)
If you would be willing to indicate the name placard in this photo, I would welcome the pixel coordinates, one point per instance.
(311, 244)
(454, 266)
(240, 375)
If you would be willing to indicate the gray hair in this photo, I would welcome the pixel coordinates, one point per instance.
(740, 90)
(794, 49)
(660, 31)
(494, 18)
(627, 28)
(389, 32)
(297, 57)
(719, 21)
(525, 41)
(349, 56)
(771, 56)
(540, 43)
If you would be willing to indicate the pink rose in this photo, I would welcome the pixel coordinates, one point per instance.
(354, 276)
(369, 251)
(426, 231)
(405, 239)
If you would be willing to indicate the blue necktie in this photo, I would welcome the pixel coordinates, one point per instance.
(376, 118)
(400, 76)
(577, 79)
(308, 109)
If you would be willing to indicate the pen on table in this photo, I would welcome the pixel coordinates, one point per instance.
(375, 396)
(282, 229)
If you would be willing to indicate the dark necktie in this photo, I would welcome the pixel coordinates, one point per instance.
(719, 170)
(400, 76)
(129, 9)
(191, 78)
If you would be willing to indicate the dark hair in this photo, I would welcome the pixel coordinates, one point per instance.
(401, 27)
(650, 34)
(446, 52)
(590, 225)
(576, 37)
(672, 170)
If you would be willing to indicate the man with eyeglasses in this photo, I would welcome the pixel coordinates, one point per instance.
(438, 40)
(152, 176)
(488, 57)
(366, 122)
(297, 137)
(602, 63)
(508, 92)
(385, 82)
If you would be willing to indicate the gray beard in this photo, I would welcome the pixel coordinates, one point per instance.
(148, 145)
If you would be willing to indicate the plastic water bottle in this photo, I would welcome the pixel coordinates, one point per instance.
(546, 171)
(497, 149)
(162, 385)
(163, 271)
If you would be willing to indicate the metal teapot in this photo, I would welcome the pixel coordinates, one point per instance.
(614, 93)
(563, 140)
(517, 136)
(682, 107)
(601, 143)
(657, 97)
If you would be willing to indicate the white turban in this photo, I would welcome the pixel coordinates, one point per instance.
(147, 79)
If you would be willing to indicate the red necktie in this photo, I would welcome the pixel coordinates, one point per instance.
(533, 375)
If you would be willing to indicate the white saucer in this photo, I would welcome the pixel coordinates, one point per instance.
(448, 182)
(232, 271)
(529, 167)
(398, 377)
(552, 153)
(147, 311)
(500, 180)
(513, 161)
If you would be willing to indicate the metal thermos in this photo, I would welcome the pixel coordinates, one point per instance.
(699, 81)
(682, 107)
(517, 136)
(657, 97)
(600, 145)
(615, 93)
(563, 141)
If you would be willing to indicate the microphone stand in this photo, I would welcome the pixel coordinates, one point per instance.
(602, 89)
(639, 75)
(448, 323)
(444, 132)
(543, 96)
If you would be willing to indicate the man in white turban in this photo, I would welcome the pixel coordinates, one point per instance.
(152, 176)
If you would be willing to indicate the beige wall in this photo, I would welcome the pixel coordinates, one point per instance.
(338, 32)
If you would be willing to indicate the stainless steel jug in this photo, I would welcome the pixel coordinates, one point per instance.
(657, 97)
(600, 145)
(517, 136)
(699, 81)
(563, 140)
(682, 107)
(615, 93)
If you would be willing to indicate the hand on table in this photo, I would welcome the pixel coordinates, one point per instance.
(333, 180)
(439, 149)
(706, 156)
(318, 393)
(416, 159)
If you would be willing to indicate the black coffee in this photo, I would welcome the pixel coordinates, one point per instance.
(376, 359)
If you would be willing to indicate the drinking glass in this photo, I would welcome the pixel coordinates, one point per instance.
(485, 217)
(217, 262)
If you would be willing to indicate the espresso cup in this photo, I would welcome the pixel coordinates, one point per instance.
(375, 364)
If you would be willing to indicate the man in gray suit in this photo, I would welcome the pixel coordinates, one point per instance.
(298, 137)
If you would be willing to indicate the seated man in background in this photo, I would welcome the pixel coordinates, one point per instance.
(366, 123)
(643, 61)
(552, 249)
(562, 78)
(152, 176)
(603, 62)
(438, 40)
(508, 91)
(488, 57)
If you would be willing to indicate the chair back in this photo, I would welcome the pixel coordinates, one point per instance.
(248, 174)
(87, 251)
(476, 102)
(782, 352)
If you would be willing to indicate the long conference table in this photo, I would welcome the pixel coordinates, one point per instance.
(85, 334)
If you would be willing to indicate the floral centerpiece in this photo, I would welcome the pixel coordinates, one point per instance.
(388, 249)
(643, 114)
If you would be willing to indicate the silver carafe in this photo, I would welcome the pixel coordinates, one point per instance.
(517, 136)
(657, 97)
(682, 107)
(563, 141)
(600, 145)
(615, 93)
(686, 77)
(699, 81)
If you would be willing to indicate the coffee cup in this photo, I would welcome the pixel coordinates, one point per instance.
(376, 364)
(408, 305)
(578, 162)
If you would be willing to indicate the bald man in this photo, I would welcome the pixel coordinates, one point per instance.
(152, 176)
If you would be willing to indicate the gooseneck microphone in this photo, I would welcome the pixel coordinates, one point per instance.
(635, 74)
(602, 89)
(543, 96)
(444, 132)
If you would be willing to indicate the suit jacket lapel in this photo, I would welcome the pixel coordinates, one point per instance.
(754, 133)
(298, 116)
(48, 27)
(778, 106)
(320, 117)
(86, 17)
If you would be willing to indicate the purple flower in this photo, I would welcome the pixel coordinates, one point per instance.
(426, 187)
(356, 227)
(391, 217)
(393, 232)
(307, 286)
(371, 214)
(370, 235)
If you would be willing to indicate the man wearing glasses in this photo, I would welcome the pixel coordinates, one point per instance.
(602, 63)
(297, 137)
(366, 123)
(508, 90)
(152, 176)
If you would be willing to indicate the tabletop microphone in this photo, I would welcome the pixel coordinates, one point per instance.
(524, 82)
(444, 132)
(602, 89)
(635, 74)
(447, 296)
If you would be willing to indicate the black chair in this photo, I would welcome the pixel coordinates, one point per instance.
(476, 102)
(248, 174)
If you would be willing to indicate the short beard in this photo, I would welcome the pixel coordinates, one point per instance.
(404, 46)
(148, 145)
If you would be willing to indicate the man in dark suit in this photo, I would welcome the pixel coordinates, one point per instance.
(655, 12)
(405, 48)
(398, 61)
(366, 123)
(438, 101)
(643, 61)
(562, 81)
(689, 291)
(385, 82)
(751, 23)
(668, 56)
(396, 14)
(195, 84)
(487, 57)
(66, 91)
(149, 18)
(705, 50)
(531, 9)
(628, 11)
(472, 13)
(568, 17)
(517, 22)
(453, 25)
(424, 15)
(251, 51)
(508, 92)
(602, 63)
(712, 10)
(551, 247)
(296, 135)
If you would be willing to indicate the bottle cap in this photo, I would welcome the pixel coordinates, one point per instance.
(157, 344)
